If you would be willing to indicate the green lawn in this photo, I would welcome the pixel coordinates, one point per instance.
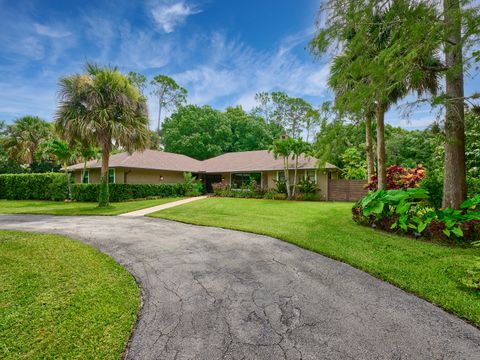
(431, 271)
(75, 208)
(61, 299)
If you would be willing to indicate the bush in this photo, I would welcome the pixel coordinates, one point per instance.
(473, 186)
(400, 178)
(306, 186)
(125, 192)
(306, 197)
(409, 212)
(434, 185)
(47, 186)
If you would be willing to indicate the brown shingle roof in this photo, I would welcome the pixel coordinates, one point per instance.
(149, 159)
(260, 160)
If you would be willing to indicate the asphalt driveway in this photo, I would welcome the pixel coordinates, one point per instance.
(219, 294)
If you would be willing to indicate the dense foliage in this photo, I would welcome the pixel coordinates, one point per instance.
(48, 186)
(124, 192)
(400, 178)
(409, 212)
(204, 132)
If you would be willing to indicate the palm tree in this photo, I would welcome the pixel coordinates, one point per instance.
(65, 155)
(366, 73)
(99, 107)
(87, 153)
(299, 148)
(284, 148)
(24, 137)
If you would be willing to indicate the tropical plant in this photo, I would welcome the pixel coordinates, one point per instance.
(284, 148)
(99, 107)
(298, 148)
(23, 138)
(66, 155)
(400, 178)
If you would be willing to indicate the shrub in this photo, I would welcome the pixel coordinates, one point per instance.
(307, 197)
(280, 196)
(409, 212)
(124, 192)
(400, 178)
(193, 187)
(434, 185)
(46, 186)
(306, 186)
(473, 186)
(270, 194)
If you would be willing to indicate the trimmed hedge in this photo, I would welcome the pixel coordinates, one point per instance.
(47, 186)
(53, 186)
(124, 192)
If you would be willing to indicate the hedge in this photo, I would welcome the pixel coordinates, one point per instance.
(53, 186)
(123, 192)
(46, 186)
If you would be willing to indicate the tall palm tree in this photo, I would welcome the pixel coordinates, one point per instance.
(98, 108)
(364, 72)
(24, 137)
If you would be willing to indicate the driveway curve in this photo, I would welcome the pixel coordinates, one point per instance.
(210, 293)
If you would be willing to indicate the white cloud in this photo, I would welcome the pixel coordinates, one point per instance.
(232, 72)
(50, 31)
(169, 16)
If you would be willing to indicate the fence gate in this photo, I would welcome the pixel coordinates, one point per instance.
(346, 190)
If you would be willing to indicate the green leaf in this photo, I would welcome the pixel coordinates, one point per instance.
(458, 232)
(446, 232)
(421, 227)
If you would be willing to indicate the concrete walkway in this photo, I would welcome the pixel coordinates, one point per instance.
(211, 293)
(169, 205)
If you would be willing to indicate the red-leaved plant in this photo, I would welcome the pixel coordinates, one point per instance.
(400, 178)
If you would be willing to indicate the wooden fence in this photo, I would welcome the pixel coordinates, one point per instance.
(346, 190)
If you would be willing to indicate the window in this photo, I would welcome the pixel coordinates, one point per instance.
(241, 180)
(281, 176)
(111, 176)
(311, 175)
(86, 177)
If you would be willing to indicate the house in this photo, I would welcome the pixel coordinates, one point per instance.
(237, 169)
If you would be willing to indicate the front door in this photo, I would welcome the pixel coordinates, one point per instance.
(212, 179)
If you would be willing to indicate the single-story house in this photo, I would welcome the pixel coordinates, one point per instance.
(237, 168)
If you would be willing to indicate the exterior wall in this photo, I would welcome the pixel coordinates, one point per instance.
(322, 180)
(135, 176)
(139, 176)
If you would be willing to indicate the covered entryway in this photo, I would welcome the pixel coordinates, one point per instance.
(212, 179)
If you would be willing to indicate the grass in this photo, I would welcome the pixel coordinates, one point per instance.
(75, 208)
(431, 271)
(61, 299)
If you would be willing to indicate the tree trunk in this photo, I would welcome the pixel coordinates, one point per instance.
(104, 196)
(295, 177)
(160, 102)
(454, 181)
(381, 167)
(287, 177)
(84, 169)
(67, 174)
(369, 143)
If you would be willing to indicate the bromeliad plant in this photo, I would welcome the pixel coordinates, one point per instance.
(407, 211)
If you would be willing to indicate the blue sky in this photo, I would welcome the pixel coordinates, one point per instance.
(222, 51)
